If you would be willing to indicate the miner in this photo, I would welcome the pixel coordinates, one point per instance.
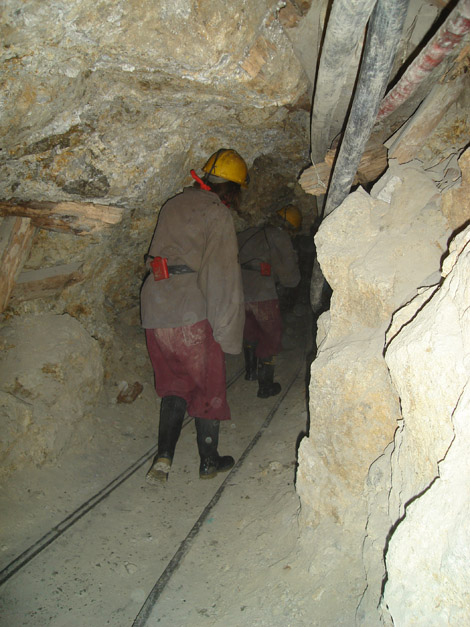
(267, 259)
(192, 310)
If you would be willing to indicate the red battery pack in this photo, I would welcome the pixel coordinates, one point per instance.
(265, 268)
(160, 268)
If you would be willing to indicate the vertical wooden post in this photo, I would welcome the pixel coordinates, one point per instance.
(16, 237)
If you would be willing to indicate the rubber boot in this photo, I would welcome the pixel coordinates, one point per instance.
(266, 386)
(207, 441)
(172, 411)
(251, 362)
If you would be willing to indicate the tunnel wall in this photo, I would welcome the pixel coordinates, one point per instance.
(384, 402)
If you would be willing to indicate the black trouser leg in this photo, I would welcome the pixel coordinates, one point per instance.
(172, 411)
(251, 361)
(266, 385)
(207, 442)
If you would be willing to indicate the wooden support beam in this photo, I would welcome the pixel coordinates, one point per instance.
(16, 236)
(410, 138)
(46, 282)
(315, 179)
(68, 217)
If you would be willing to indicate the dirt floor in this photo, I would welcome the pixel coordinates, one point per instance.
(85, 541)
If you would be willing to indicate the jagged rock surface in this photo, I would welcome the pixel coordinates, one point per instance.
(375, 251)
(428, 554)
(51, 373)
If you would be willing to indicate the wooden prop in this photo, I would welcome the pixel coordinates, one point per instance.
(46, 281)
(68, 217)
(314, 180)
(16, 237)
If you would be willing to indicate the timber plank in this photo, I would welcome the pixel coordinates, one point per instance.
(16, 237)
(46, 282)
(69, 217)
(406, 143)
(315, 179)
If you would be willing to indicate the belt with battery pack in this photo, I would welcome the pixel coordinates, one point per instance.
(161, 270)
(262, 267)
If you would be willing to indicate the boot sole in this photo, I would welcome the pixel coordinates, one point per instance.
(156, 478)
(268, 394)
(158, 474)
(211, 475)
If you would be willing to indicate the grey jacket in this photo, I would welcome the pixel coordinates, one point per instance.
(195, 229)
(271, 245)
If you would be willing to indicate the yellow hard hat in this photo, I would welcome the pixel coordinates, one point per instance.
(227, 164)
(292, 215)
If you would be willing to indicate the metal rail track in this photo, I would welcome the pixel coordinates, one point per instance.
(55, 532)
(142, 617)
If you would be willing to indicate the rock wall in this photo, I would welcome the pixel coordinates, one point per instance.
(379, 252)
(51, 373)
(427, 558)
(109, 100)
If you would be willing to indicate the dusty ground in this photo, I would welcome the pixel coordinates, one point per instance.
(192, 552)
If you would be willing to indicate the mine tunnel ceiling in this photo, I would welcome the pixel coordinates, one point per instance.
(117, 101)
(110, 104)
(113, 102)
